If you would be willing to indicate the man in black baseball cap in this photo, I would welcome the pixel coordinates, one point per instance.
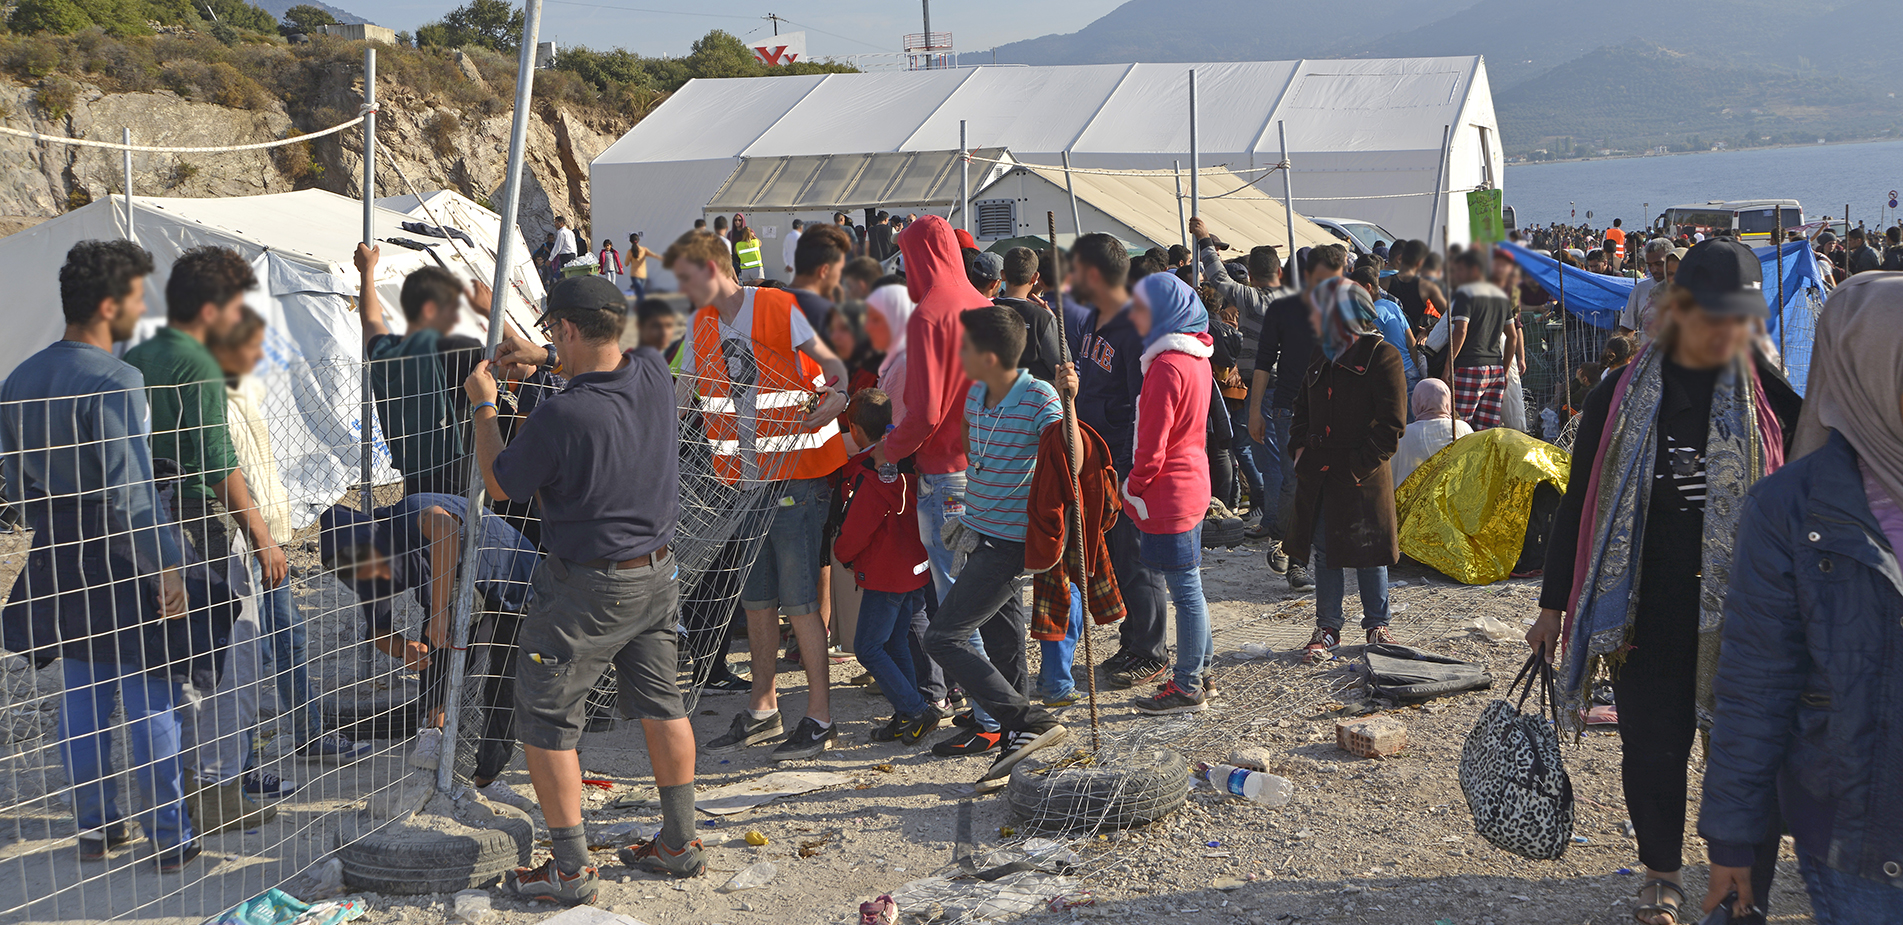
(1724, 278)
(578, 297)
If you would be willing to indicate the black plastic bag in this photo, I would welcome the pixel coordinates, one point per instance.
(1408, 675)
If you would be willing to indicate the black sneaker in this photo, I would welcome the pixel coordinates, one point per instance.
(1299, 578)
(1139, 670)
(1172, 699)
(728, 683)
(890, 731)
(807, 741)
(1114, 663)
(1018, 746)
(915, 726)
(173, 860)
(1278, 559)
(96, 846)
(746, 731)
(965, 720)
(967, 742)
(261, 783)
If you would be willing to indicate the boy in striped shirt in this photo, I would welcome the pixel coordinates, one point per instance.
(1005, 412)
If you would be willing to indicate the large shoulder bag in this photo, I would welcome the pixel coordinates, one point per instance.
(1512, 774)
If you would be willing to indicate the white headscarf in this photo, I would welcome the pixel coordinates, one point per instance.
(1856, 376)
(895, 304)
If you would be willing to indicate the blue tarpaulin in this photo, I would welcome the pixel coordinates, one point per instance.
(1598, 299)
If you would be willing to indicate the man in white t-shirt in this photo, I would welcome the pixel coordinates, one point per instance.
(787, 247)
(564, 243)
(1640, 305)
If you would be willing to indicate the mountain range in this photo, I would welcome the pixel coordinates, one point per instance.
(1567, 76)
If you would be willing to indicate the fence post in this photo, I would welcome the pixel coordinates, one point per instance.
(128, 159)
(366, 422)
(472, 521)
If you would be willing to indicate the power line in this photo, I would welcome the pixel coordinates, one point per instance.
(835, 35)
(636, 9)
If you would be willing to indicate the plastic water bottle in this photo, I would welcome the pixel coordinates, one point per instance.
(1258, 786)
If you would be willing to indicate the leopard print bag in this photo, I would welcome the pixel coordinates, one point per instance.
(1512, 773)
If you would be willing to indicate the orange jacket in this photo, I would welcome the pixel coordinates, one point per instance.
(1045, 536)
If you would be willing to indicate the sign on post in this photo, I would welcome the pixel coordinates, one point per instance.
(1483, 216)
(775, 50)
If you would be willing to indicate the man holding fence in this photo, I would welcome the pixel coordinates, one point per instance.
(600, 455)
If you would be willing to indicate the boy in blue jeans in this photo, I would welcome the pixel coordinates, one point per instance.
(879, 541)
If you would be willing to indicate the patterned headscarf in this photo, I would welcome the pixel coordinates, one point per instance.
(1347, 314)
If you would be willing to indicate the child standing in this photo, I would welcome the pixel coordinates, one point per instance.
(1167, 491)
(879, 542)
(1006, 410)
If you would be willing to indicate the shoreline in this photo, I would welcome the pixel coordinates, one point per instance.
(1627, 157)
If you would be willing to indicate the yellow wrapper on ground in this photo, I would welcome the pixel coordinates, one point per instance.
(1464, 510)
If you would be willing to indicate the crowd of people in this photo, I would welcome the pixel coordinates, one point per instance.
(920, 421)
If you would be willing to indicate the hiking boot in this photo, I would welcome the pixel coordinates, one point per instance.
(967, 742)
(96, 846)
(1139, 670)
(173, 860)
(548, 884)
(1018, 746)
(1321, 646)
(1172, 699)
(1278, 559)
(1299, 578)
(426, 749)
(689, 860)
(808, 740)
(914, 727)
(221, 807)
(1380, 635)
(335, 746)
(746, 731)
(266, 785)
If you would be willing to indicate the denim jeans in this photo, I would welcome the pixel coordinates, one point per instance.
(86, 747)
(1145, 598)
(785, 574)
(1278, 472)
(988, 598)
(882, 643)
(285, 659)
(219, 727)
(1248, 452)
(1838, 898)
(1331, 588)
(1179, 556)
(1054, 667)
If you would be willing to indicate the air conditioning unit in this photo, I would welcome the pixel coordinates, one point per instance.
(997, 218)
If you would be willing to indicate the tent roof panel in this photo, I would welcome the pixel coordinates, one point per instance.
(1146, 202)
(845, 181)
(710, 118)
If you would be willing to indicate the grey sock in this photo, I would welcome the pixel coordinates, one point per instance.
(677, 815)
(570, 845)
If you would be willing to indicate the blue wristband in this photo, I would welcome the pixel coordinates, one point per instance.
(487, 404)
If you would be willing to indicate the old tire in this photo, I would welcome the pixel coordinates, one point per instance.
(409, 860)
(1122, 791)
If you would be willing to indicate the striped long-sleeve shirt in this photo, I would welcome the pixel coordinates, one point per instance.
(1003, 452)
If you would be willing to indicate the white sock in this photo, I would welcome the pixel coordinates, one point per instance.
(761, 714)
(823, 724)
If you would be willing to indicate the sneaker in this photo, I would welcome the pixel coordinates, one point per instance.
(862, 678)
(808, 740)
(912, 728)
(497, 791)
(1262, 528)
(966, 720)
(690, 860)
(1380, 636)
(728, 683)
(1019, 746)
(173, 860)
(1172, 699)
(944, 709)
(746, 731)
(1114, 663)
(1069, 698)
(1278, 560)
(426, 748)
(548, 884)
(1299, 578)
(335, 746)
(967, 742)
(97, 846)
(269, 786)
(890, 731)
(1210, 691)
(1321, 646)
(1138, 670)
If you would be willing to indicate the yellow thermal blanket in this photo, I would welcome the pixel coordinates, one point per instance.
(1464, 510)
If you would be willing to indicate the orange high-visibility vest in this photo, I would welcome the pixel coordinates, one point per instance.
(787, 385)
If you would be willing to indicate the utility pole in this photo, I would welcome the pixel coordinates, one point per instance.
(928, 33)
(776, 21)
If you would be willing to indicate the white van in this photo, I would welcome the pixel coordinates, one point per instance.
(1360, 236)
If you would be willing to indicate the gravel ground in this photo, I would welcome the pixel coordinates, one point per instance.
(1364, 840)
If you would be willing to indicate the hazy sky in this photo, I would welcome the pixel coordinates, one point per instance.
(657, 27)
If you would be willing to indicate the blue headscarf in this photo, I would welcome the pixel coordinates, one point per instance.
(1174, 307)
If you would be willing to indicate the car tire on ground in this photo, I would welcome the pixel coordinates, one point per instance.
(1118, 792)
(407, 859)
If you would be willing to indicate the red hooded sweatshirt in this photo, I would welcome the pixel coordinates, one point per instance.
(935, 383)
(879, 538)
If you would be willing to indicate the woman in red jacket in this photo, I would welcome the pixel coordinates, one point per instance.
(1167, 491)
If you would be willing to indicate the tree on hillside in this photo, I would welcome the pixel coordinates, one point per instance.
(305, 18)
(60, 17)
(493, 24)
(716, 54)
(237, 14)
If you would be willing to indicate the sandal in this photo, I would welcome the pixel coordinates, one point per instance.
(1644, 914)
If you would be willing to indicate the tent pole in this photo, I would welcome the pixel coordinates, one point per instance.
(1777, 243)
(964, 181)
(365, 420)
(472, 524)
(128, 159)
(1288, 201)
(1182, 220)
(1440, 181)
(1070, 186)
(1195, 175)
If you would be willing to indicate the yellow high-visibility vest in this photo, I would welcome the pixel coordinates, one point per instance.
(749, 254)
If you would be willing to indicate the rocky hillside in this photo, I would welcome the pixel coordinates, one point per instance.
(444, 121)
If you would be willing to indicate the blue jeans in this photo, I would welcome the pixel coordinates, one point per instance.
(785, 574)
(1248, 452)
(86, 747)
(1054, 668)
(941, 498)
(284, 657)
(1837, 898)
(1331, 588)
(639, 286)
(883, 644)
(1278, 472)
(1179, 556)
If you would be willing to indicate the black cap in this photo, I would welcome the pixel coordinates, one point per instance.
(1724, 278)
(583, 293)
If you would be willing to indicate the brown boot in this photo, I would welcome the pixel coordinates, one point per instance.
(219, 807)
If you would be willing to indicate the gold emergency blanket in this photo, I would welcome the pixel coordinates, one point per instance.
(1464, 510)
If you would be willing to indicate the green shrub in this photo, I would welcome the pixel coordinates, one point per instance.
(57, 96)
(60, 17)
(441, 131)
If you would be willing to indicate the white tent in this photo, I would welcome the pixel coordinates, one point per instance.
(1139, 209)
(773, 191)
(300, 245)
(1356, 128)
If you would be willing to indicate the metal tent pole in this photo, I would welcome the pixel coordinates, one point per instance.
(1182, 220)
(128, 160)
(964, 180)
(472, 523)
(1070, 186)
(1288, 202)
(1195, 176)
(1777, 245)
(366, 421)
(1440, 182)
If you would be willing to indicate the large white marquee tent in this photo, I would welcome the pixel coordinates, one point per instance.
(1356, 129)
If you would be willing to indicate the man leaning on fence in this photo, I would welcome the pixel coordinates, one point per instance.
(601, 457)
(103, 573)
